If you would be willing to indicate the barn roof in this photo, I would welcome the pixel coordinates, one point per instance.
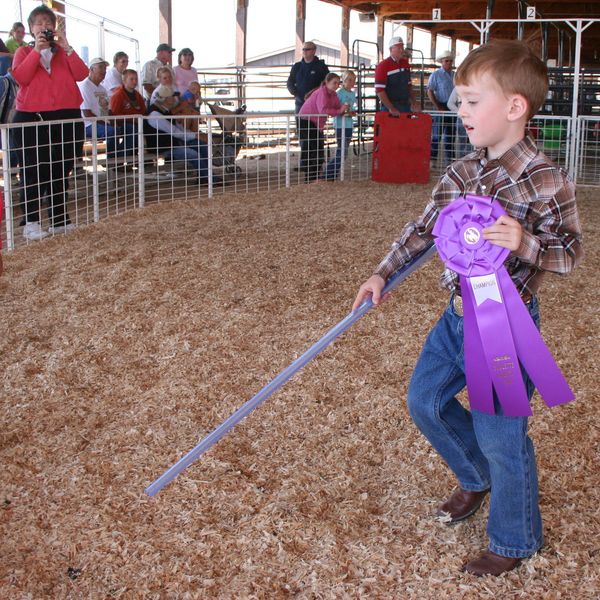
(409, 10)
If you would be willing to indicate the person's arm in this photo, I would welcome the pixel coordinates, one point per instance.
(78, 68)
(165, 125)
(453, 101)
(329, 104)
(380, 85)
(291, 82)
(553, 241)
(147, 84)
(387, 102)
(434, 100)
(25, 65)
(116, 108)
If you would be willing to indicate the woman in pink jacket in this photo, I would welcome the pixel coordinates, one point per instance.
(47, 73)
(320, 102)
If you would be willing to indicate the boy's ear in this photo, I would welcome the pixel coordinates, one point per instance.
(518, 107)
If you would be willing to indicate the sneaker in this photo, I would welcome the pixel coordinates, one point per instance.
(33, 231)
(53, 230)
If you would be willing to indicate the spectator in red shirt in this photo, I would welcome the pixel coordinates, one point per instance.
(127, 100)
(392, 80)
(47, 74)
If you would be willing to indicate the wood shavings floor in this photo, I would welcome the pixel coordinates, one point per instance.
(126, 342)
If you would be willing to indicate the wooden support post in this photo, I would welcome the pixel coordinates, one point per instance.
(165, 28)
(410, 36)
(489, 11)
(383, 51)
(560, 57)
(300, 27)
(345, 45)
(241, 20)
(433, 47)
(57, 7)
(545, 36)
(522, 12)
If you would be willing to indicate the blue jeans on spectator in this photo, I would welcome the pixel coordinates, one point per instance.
(312, 153)
(195, 153)
(463, 138)
(120, 142)
(334, 165)
(401, 106)
(443, 128)
(484, 451)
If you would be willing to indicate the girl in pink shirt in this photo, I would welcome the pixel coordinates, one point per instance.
(320, 103)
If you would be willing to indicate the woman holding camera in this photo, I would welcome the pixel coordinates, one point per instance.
(47, 72)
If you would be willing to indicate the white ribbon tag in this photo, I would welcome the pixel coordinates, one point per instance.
(485, 288)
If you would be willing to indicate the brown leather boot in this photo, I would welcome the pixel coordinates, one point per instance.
(490, 563)
(461, 505)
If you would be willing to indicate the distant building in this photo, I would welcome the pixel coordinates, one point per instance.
(285, 57)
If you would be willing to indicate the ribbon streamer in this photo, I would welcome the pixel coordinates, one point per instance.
(283, 377)
(499, 334)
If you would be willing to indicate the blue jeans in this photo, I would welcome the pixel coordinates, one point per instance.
(484, 451)
(119, 142)
(195, 153)
(401, 106)
(335, 164)
(444, 127)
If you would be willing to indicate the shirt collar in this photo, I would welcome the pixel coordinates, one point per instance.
(515, 160)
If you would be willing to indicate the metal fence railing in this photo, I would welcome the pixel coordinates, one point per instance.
(234, 153)
(134, 164)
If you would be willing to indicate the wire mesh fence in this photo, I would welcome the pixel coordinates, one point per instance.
(60, 175)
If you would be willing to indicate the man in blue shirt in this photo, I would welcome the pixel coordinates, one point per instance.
(439, 88)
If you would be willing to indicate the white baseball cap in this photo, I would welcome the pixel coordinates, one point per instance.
(98, 61)
(396, 40)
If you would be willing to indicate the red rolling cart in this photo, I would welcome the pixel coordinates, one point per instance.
(401, 148)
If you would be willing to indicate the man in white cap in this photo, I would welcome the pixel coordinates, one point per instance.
(439, 89)
(392, 80)
(96, 104)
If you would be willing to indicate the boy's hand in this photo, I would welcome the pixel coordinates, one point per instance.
(370, 288)
(506, 232)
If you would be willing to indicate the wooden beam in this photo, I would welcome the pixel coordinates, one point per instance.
(241, 21)
(345, 45)
(433, 46)
(380, 41)
(300, 27)
(165, 27)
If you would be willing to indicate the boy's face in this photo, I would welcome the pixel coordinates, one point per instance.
(488, 115)
(165, 78)
(130, 81)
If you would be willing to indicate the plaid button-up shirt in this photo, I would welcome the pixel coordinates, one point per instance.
(531, 189)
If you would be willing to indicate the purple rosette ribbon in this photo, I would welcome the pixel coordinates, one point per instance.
(499, 334)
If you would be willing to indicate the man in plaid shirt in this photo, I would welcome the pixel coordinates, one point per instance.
(501, 86)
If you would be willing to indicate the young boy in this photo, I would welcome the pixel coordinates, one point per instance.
(501, 85)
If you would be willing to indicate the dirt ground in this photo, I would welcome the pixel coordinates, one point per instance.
(126, 342)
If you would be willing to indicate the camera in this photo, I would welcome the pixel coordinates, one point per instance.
(48, 35)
